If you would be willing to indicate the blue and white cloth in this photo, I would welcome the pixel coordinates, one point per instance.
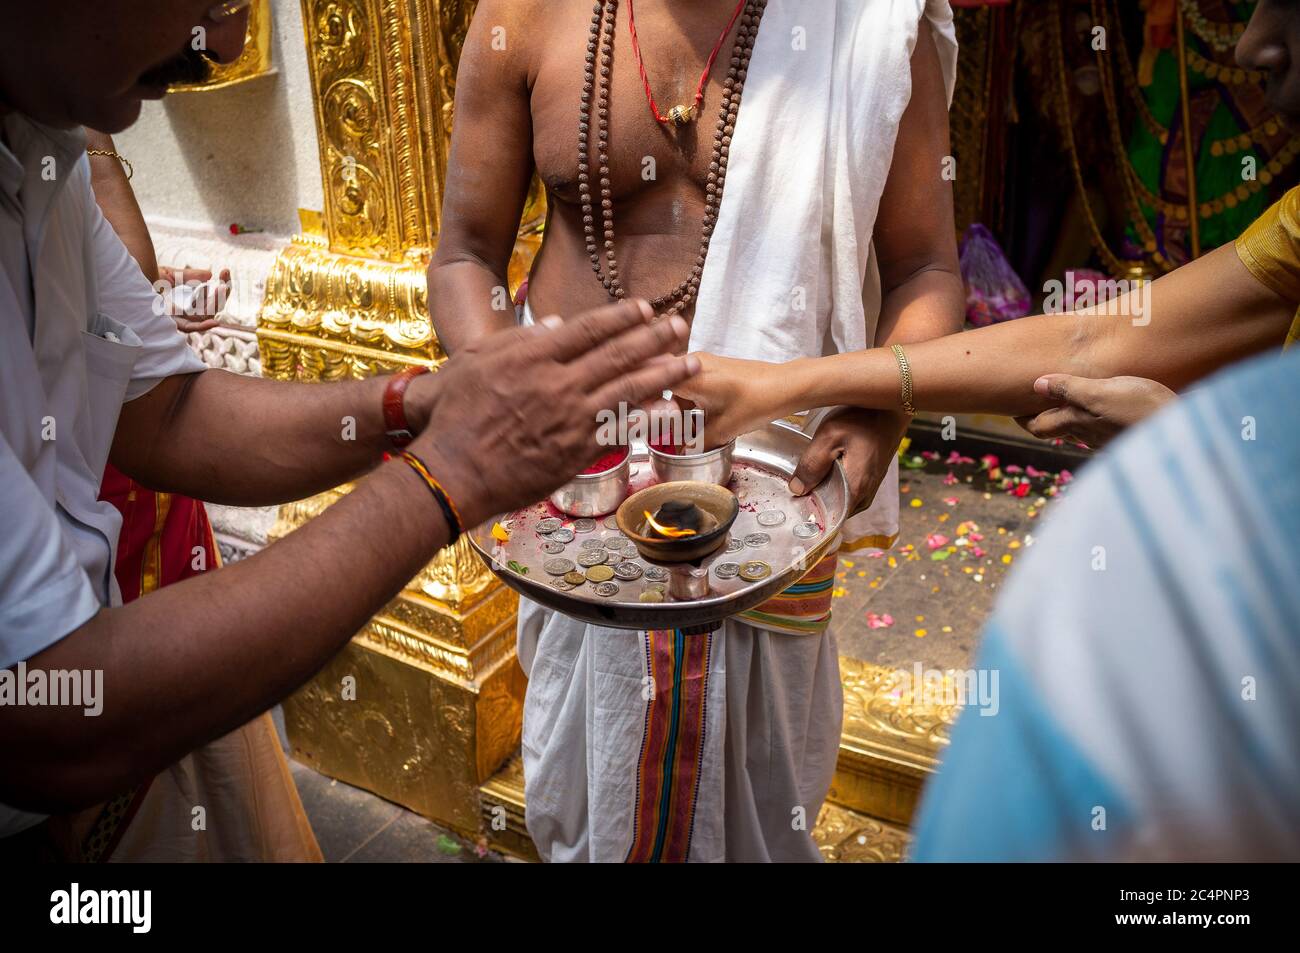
(1148, 653)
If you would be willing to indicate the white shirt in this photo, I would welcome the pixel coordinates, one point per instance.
(79, 336)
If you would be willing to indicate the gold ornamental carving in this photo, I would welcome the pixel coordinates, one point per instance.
(425, 702)
(346, 298)
(890, 744)
(385, 74)
(846, 837)
(878, 704)
(328, 316)
(437, 700)
(450, 619)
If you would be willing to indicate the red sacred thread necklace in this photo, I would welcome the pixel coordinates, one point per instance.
(679, 115)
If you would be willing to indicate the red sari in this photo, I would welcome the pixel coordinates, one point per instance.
(165, 538)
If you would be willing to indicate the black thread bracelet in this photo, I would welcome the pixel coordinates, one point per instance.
(449, 512)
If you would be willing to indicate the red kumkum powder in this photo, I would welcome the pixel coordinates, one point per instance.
(608, 462)
(669, 449)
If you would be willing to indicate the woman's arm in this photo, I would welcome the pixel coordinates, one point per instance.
(1203, 316)
(1207, 314)
(116, 199)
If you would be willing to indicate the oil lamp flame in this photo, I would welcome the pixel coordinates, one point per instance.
(668, 532)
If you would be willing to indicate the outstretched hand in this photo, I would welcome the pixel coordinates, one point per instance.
(1094, 411)
(736, 396)
(513, 416)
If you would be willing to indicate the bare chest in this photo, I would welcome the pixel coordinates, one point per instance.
(645, 156)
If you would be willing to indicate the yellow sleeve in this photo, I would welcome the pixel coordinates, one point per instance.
(1270, 248)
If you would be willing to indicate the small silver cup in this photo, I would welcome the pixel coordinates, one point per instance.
(594, 494)
(711, 467)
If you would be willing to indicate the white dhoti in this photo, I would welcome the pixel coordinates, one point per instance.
(660, 746)
(770, 709)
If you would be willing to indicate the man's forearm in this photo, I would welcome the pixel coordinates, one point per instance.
(467, 300)
(196, 659)
(241, 441)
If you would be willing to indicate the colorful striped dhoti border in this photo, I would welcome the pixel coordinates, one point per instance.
(672, 746)
(802, 609)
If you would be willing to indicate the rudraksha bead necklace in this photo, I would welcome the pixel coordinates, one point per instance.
(600, 53)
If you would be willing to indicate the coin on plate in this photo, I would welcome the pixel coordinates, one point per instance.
(628, 571)
(575, 577)
(592, 542)
(755, 540)
(563, 535)
(754, 570)
(807, 529)
(652, 595)
(552, 548)
(600, 574)
(563, 585)
(557, 566)
(549, 525)
(771, 518)
(610, 522)
(726, 570)
(613, 542)
(656, 573)
(735, 545)
(584, 525)
(607, 589)
(591, 557)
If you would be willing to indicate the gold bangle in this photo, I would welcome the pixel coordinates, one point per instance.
(130, 170)
(904, 372)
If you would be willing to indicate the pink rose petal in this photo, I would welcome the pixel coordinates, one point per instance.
(936, 540)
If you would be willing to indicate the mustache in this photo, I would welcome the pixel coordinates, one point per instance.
(188, 67)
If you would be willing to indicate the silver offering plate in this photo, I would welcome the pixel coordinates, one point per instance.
(764, 462)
